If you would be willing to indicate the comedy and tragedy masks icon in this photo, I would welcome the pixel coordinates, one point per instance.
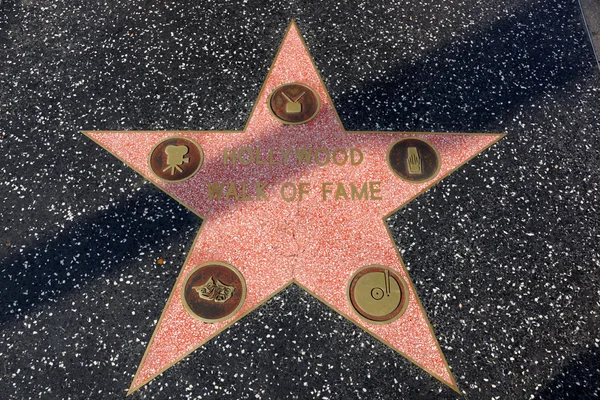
(175, 157)
(217, 292)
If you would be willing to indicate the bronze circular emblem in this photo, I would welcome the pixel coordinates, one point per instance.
(378, 294)
(176, 159)
(294, 103)
(414, 160)
(214, 292)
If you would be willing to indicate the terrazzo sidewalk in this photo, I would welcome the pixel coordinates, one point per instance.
(503, 253)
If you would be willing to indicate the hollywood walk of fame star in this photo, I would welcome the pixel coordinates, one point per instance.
(261, 228)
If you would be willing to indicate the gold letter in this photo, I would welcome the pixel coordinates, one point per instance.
(325, 190)
(335, 160)
(327, 156)
(231, 192)
(340, 191)
(271, 161)
(215, 190)
(244, 197)
(361, 157)
(229, 156)
(359, 195)
(250, 154)
(304, 155)
(257, 157)
(260, 195)
(288, 184)
(302, 190)
(286, 154)
(374, 190)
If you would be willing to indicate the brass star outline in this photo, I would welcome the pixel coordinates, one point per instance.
(113, 141)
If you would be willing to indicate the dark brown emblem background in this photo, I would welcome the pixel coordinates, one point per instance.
(414, 160)
(294, 103)
(214, 292)
(378, 294)
(176, 159)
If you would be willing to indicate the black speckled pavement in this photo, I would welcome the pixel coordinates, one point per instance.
(504, 253)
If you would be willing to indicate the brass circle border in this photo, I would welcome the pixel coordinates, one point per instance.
(294, 83)
(437, 153)
(176, 180)
(242, 300)
(403, 285)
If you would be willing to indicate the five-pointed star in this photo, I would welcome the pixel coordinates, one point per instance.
(318, 244)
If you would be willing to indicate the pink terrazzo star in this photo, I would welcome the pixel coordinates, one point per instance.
(318, 244)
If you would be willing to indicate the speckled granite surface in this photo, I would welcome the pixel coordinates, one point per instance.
(504, 253)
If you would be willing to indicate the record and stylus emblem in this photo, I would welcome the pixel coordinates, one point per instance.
(378, 294)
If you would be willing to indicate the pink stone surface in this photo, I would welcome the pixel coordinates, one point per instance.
(317, 243)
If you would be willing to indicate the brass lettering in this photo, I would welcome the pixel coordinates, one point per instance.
(291, 191)
(286, 154)
(288, 198)
(322, 156)
(341, 192)
(302, 189)
(257, 157)
(229, 156)
(304, 155)
(260, 194)
(231, 191)
(356, 152)
(244, 196)
(319, 151)
(356, 195)
(325, 190)
(374, 188)
(271, 161)
(335, 159)
(215, 190)
(249, 159)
